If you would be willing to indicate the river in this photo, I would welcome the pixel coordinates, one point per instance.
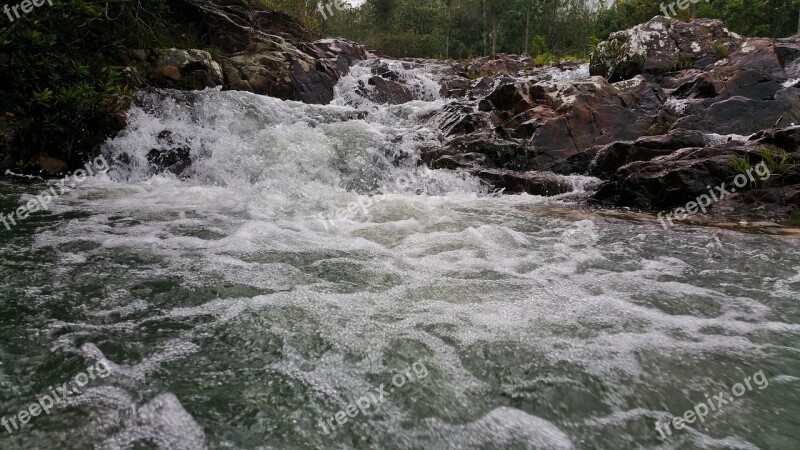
(305, 260)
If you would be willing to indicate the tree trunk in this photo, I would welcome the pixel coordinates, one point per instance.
(494, 38)
(447, 37)
(527, 30)
(483, 3)
(694, 11)
(550, 40)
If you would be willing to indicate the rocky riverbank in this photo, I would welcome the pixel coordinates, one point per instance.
(668, 111)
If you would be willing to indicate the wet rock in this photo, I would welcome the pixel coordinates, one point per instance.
(263, 51)
(611, 157)
(744, 116)
(672, 180)
(787, 139)
(385, 91)
(50, 165)
(509, 97)
(495, 152)
(176, 63)
(170, 156)
(534, 183)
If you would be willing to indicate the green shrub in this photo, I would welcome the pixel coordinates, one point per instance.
(682, 62)
(545, 59)
(538, 46)
(721, 51)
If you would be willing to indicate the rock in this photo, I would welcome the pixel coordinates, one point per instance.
(484, 147)
(170, 156)
(50, 165)
(170, 72)
(610, 158)
(454, 88)
(385, 91)
(662, 45)
(578, 163)
(547, 122)
(263, 51)
(672, 180)
(745, 116)
(510, 97)
(787, 139)
(175, 64)
(534, 183)
(274, 67)
(761, 55)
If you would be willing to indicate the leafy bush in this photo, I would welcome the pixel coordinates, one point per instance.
(545, 59)
(721, 51)
(538, 46)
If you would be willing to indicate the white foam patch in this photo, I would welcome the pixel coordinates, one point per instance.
(162, 423)
(501, 427)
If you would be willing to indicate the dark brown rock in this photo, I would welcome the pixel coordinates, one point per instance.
(610, 158)
(382, 90)
(534, 183)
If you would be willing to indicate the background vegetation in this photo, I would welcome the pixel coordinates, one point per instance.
(466, 28)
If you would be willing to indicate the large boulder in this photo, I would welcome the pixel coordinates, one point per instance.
(544, 184)
(276, 67)
(662, 45)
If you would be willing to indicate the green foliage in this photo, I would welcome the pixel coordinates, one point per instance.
(794, 218)
(775, 159)
(740, 164)
(545, 59)
(721, 51)
(682, 62)
(538, 46)
(777, 162)
(466, 28)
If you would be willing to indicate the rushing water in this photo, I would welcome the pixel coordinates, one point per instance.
(236, 309)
